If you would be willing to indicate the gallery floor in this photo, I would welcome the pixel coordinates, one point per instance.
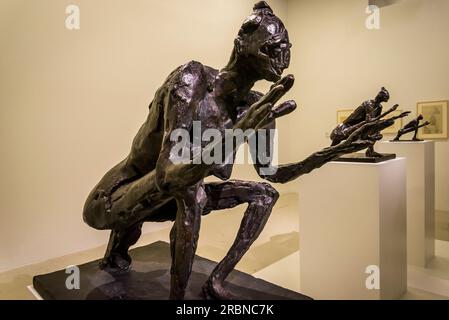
(274, 257)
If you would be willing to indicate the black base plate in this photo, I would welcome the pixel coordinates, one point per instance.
(149, 279)
(361, 157)
(406, 140)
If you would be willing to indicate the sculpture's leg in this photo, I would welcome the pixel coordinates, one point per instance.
(399, 135)
(371, 153)
(184, 238)
(172, 246)
(116, 257)
(261, 198)
(415, 136)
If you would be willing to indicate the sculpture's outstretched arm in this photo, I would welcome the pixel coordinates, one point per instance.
(288, 172)
(358, 140)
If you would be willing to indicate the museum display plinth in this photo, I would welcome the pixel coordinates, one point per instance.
(353, 216)
(420, 197)
(149, 279)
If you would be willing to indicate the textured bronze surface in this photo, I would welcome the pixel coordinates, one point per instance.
(148, 187)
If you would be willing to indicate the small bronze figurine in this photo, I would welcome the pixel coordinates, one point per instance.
(368, 111)
(147, 186)
(412, 126)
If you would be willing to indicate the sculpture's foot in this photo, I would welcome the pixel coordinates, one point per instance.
(213, 290)
(373, 154)
(115, 263)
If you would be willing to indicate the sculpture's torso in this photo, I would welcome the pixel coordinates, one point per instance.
(366, 111)
(192, 81)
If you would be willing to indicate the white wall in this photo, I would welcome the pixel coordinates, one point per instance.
(338, 63)
(71, 102)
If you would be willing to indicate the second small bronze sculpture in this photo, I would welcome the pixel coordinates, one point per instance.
(412, 126)
(148, 187)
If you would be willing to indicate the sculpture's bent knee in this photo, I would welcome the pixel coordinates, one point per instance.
(95, 213)
(338, 134)
(268, 193)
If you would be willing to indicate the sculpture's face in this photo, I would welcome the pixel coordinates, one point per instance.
(274, 56)
(420, 117)
(263, 45)
(383, 96)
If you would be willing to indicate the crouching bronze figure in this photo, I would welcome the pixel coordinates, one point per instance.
(147, 186)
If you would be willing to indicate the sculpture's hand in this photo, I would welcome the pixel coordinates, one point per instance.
(362, 136)
(369, 133)
(286, 81)
(283, 109)
(260, 112)
(405, 114)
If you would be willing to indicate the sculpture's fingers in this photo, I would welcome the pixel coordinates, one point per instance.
(385, 124)
(362, 131)
(405, 114)
(283, 109)
(286, 81)
(262, 112)
(262, 115)
(273, 95)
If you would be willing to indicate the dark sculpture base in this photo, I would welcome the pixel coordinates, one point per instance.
(149, 279)
(361, 157)
(411, 140)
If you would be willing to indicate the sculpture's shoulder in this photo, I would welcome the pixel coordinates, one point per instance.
(186, 86)
(358, 115)
(369, 105)
(188, 80)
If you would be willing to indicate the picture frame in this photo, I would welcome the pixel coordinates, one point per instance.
(436, 112)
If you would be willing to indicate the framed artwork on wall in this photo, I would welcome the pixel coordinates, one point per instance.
(436, 113)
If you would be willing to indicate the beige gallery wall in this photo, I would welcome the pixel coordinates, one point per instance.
(71, 102)
(338, 63)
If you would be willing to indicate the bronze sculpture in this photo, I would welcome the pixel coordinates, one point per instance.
(369, 110)
(412, 126)
(147, 186)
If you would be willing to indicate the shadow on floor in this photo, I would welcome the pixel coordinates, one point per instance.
(263, 255)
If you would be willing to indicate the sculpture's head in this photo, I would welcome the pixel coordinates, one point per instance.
(420, 117)
(383, 95)
(262, 44)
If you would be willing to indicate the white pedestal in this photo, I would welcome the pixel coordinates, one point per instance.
(420, 197)
(353, 216)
